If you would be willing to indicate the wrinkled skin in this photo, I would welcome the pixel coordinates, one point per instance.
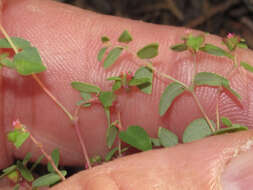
(68, 39)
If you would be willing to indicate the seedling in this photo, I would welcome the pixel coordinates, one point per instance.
(26, 61)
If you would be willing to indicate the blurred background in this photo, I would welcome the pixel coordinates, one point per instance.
(214, 16)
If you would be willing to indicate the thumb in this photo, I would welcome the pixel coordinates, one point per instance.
(68, 40)
(218, 162)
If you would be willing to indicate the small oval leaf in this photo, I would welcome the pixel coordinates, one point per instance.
(145, 72)
(105, 39)
(214, 50)
(48, 179)
(18, 42)
(170, 93)
(55, 157)
(101, 53)
(166, 137)
(149, 51)
(107, 98)
(137, 137)
(138, 81)
(225, 121)
(125, 37)
(196, 130)
(246, 66)
(194, 42)
(28, 62)
(112, 56)
(210, 79)
(179, 47)
(85, 87)
(232, 129)
(24, 171)
(111, 134)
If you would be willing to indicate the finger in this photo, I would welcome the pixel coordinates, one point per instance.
(219, 162)
(69, 39)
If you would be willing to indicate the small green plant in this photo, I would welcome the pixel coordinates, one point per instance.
(20, 174)
(27, 62)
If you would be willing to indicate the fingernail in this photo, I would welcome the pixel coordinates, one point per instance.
(101, 182)
(238, 174)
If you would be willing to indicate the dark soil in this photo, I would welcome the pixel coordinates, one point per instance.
(214, 16)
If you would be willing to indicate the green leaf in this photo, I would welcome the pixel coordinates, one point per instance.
(232, 129)
(107, 98)
(48, 179)
(196, 130)
(36, 163)
(214, 50)
(105, 39)
(18, 137)
(85, 87)
(55, 157)
(27, 158)
(18, 42)
(24, 171)
(145, 72)
(156, 142)
(210, 79)
(96, 159)
(194, 42)
(179, 47)
(246, 66)
(137, 137)
(112, 56)
(115, 78)
(225, 121)
(166, 137)
(117, 85)
(148, 51)
(8, 63)
(101, 53)
(110, 154)
(111, 134)
(125, 37)
(226, 85)
(8, 170)
(28, 62)
(86, 97)
(242, 45)
(138, 81)
(172, 91)
(21, 138)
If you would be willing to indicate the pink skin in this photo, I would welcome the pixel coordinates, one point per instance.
(68, 40)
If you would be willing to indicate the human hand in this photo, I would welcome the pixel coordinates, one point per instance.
(68, 40)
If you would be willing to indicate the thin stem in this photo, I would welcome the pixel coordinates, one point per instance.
(85, 153)
(203, 111)
(8, 39)
(48, 157)
(165, 75)
(217, 109)
(52, 97)
(35, 76)
(195, 67)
